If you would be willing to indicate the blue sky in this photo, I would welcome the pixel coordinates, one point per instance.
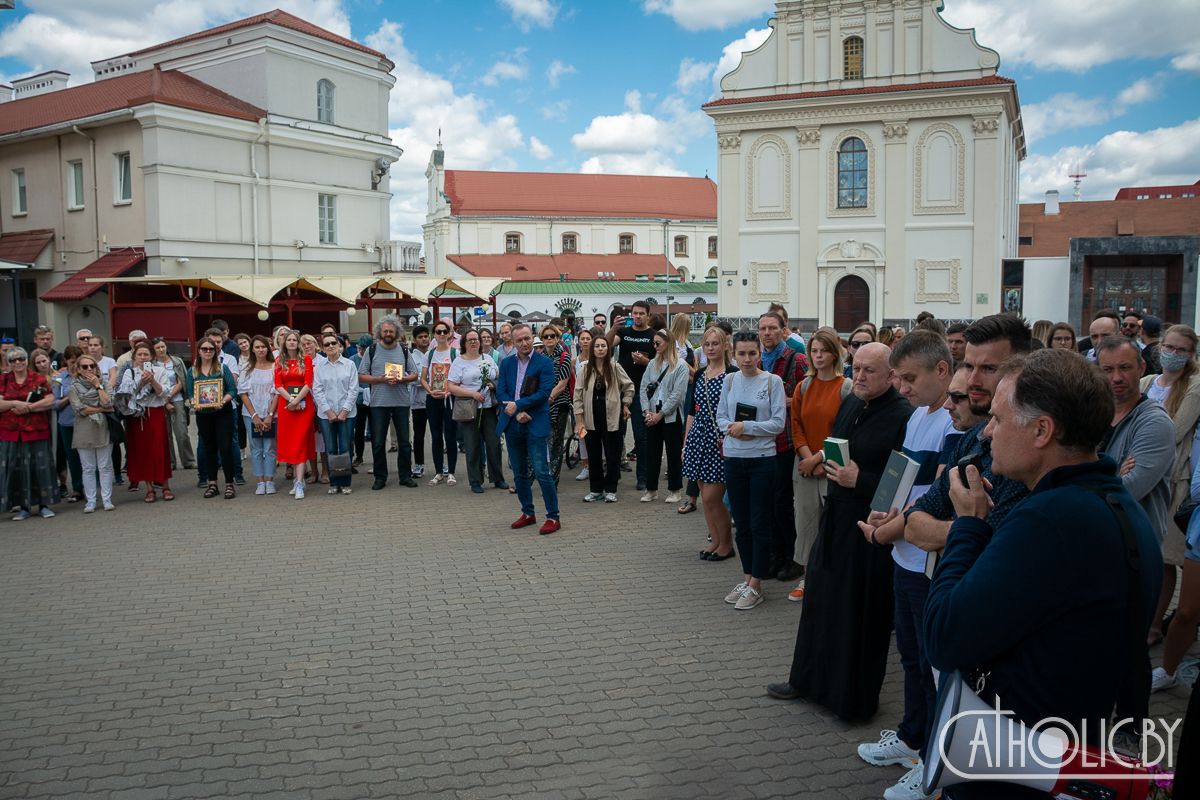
(616, 85)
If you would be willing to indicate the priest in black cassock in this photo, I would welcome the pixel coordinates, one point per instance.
(845, 629)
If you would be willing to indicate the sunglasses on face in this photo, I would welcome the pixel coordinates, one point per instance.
(957, 397)
(331, 344)
(549, 336)
(856, 345)
(441, 332)
(87, 366)
(207, 349)
(16, 359)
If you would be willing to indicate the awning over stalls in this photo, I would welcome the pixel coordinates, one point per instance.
(261, 289)
(84, 283)
(24, 247)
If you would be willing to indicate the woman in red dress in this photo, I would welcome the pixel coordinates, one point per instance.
(293, 382)
(144, 388)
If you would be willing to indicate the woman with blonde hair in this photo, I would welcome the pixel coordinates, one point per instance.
(295, 411)
(664, 385)
(1177, 390)
(702, 459)
(815, 403)
(1041, 331)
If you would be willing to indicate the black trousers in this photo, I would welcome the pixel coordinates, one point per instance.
(671, 435)
(604, 460)
(420, 421)
(215, 429)
(361, 416)
(783, 513)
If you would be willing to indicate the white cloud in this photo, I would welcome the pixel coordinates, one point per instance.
(538, 149)
(652, 163)
(630, 132)
(527, 13)
(556, 110)
(513, 68)
(695, 15)
(1076, 35)
(693, 73)
(1189, 61)
(637, 142)
(555, 72)
(1068, 110)
(1162, 156)
(731, 56)
(1140, 91)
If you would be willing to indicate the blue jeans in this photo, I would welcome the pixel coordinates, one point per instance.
(750, 482)
(66, 433)
(525, 451)
(338, 438)
(920, 695)
(262, 455)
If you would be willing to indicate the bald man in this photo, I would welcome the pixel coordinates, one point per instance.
(842, 644)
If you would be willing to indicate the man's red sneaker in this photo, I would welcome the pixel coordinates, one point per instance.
(523, 520)
(550, 526)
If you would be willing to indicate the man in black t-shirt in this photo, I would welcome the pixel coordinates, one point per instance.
(636, 350)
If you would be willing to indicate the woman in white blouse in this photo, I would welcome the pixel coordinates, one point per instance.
(142, 394)
(335, 391)
(663, 388)
(256, 386)
(473, 376)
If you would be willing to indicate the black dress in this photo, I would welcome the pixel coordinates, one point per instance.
(845, 629)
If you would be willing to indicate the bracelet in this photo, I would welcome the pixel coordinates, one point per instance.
(873, 541)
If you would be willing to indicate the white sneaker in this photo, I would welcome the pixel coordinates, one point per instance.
(1160, 680)
(674, 497)
(592, 497)
(269, 487)
(109, 507)
(260, 488)
(298, 490)
(749, 599)
(293, 489)
(736, 594)
(89, 508)
(888, 750)
(910, 787)
(418, 470)
(46, 513)
(583, 475)
(345, 490)
(610, 497)
(333, 490)
(450, 480)
(649, 497)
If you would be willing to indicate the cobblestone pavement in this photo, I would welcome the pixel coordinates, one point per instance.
(403, 643)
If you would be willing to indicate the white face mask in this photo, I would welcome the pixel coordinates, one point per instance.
(1173, 362)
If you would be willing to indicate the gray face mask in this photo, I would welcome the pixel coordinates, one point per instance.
(1173, 362)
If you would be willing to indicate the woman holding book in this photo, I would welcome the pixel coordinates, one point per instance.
(434, 377)
(751, 412)
(603, 395)
(664, 385)
(472, 381)
(702, 459)
(26, 460)
(293, 385)
(256, 385)
(814, 405)
(211, 387)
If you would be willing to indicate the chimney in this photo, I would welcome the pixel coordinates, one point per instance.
(6, 93)
(1052, 203)
(41, 83)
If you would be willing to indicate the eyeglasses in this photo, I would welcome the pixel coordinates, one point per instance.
(13, 359)
(957, 397)
(549, 336)
(1172, 349)
(331, 343)
(208, 349)
(856, 345)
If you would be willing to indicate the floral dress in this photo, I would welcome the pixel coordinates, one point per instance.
(702, 459)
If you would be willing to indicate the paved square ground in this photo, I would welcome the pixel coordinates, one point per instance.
(402, 643)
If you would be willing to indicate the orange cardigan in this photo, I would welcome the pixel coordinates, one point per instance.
(813, 413)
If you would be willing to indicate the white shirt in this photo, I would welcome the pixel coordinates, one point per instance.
(259, 386)
(467, 373)
(924, 437)
(144, 394)
(335, 386)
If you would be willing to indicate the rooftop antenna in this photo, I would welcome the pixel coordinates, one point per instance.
(1078, 173)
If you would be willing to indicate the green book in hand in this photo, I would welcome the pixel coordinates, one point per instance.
(896, 483)
(837, 450)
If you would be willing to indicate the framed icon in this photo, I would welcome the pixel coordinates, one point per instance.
(208, 393)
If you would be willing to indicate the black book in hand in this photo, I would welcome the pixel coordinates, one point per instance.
(744, 412)
(529, 386)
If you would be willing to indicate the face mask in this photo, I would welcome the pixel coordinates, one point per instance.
(1173, 362)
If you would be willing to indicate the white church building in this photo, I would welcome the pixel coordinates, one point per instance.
(867, 167)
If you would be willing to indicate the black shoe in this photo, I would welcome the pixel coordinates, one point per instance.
(790, 572)
(239, 480)
(501, 484)
(378, 484)
(626, 468)
(641, 486)
(782, 691)
(715, 556)
(409, 482)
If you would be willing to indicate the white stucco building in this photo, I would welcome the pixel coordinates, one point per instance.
(868, 162)
(258, 147)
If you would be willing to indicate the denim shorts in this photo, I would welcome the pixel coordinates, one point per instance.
(1192, 544)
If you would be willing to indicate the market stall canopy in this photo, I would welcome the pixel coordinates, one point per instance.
(261, 289)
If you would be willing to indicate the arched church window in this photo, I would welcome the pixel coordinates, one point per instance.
(852, 174)
(325, 101)
(852, 58)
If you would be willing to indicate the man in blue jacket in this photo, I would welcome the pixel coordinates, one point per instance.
(523, 392)
(1051, 588)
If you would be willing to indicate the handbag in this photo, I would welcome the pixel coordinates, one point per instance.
(116, 429)
(339, 465)
(465, 409)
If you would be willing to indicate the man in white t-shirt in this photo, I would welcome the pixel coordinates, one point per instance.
(924, 366)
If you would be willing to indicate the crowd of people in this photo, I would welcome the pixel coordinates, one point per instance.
(1016, 434)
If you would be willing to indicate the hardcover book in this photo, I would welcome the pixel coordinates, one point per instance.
(896, 483)
(837, 450)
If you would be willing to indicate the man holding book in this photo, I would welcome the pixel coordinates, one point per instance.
(388, 369)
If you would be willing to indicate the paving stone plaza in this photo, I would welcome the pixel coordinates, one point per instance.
(402, 643)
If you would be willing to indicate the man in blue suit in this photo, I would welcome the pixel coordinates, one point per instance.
(523, 391)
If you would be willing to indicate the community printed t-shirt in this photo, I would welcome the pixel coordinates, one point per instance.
(924, 438)
(633, 341)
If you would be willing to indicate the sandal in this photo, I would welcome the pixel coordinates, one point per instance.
(688, 507)
(150, 496)
(230, 491)
(168, 495)
(210, 490)
(133, 487)
(323, 479)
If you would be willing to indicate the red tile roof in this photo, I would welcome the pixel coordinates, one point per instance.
(991, 80)
(1052, 234)
(171, 88)
(1131, 192)
(277, 17)
(24, 247)
(559, 194)
(579, 267)
(113, 264)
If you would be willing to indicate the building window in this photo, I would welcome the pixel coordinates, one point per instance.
(122, 178)
(681, 246)
(20, 199)
(1164, 197)
(712, 247)
(852, 58)
(852, 174)
(1188, 194)
(75, 195)
(1025, 241)
(625, 243)
(325, 101)
(1143, 197)
(327, 219)
(512, 242)
(570, 243)
(712, 274)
